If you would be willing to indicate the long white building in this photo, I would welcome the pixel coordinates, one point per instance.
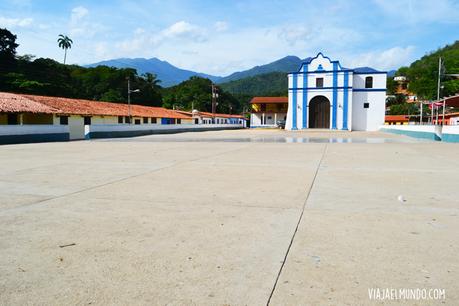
(323, 94)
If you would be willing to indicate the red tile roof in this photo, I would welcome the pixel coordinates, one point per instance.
(12, 103)
(269, 100)
(396, 118)
(55, 105)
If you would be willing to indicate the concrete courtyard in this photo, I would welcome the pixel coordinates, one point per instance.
(246, 217)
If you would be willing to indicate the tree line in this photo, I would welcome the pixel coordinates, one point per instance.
(44, 76)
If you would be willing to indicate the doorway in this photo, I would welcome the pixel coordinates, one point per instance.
(319, 113)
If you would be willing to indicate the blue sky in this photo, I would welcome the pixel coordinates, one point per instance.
(221, 37)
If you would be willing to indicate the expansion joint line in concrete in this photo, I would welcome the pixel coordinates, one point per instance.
(123, 179)
(297, 225)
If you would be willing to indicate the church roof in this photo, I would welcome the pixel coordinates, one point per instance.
(365, 70)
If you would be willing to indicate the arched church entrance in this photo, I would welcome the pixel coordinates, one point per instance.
(319, 113)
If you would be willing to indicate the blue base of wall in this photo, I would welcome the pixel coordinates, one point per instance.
(450, 137)
(32, 138)
(120, 134)
(415, 134)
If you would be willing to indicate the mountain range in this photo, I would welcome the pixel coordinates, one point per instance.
(171, 75)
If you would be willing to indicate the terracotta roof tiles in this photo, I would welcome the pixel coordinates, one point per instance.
(55, 105)
(269, 100)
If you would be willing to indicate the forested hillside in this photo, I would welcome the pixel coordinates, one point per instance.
(423, 73)
(42, 76)
(196, 93)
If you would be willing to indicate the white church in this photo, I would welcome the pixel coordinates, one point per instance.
(323, 94)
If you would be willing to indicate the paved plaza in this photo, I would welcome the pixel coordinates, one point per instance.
(245, 217)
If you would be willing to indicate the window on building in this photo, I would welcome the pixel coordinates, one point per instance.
(366, 105)
(269, 117)
(120, 119)
(319, 82)
(64, 120)
(127, 119)
(153, 120)
(263, 107)
(369, 82)
(179, 121)
(145, 120)
(87, 120)
(12, 119)
(137, 121)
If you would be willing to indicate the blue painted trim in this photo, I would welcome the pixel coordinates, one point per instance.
(335, 96)
(345, 101)
(319, 88)
(313, 58)
(294, 102)
(31, 138)
(368, 89)
(305, 100)
(121, 134)
(450, 137)
(321, 71)
(414, 134)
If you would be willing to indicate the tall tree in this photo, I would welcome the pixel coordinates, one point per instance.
(8, 47)
(65, 43)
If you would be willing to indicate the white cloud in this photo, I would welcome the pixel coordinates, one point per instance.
(78, 13)
(221, 26)
(80, 25)
(385, 59)
(144, 41)
(15, 22)
(183, 29)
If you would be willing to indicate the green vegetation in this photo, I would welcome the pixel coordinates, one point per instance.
(268, 84)
(423, 73)
(25, 74)
(196, 93)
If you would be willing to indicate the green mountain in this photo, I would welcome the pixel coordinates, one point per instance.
(268, 84)
(167, 73)
(286, 64)
(423, 73)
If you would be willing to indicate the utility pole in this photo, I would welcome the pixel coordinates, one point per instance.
(129, 98)
(420, 120)
(438, 87)
(214, 101)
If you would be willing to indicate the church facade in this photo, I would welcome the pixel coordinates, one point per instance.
(323, 94)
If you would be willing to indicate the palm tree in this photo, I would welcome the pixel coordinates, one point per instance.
(152, 80)
(65, 43)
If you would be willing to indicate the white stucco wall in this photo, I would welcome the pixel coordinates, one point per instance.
(357, 117)
(33, 129)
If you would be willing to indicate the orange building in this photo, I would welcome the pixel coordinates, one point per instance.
(268, 111)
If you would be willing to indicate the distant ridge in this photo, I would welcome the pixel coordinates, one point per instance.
(166, 72)
(286, 64)
(171, 75)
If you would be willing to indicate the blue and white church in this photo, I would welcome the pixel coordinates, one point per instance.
(323, 94)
